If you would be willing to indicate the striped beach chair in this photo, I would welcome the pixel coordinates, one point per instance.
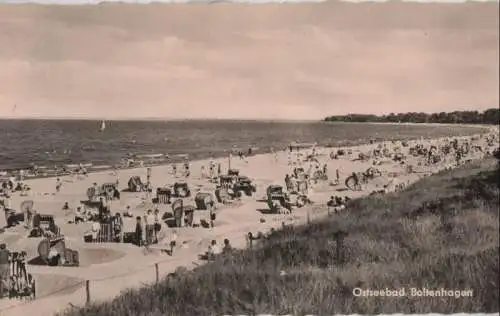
(163, 195)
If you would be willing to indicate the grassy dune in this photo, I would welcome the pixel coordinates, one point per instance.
(442, 232)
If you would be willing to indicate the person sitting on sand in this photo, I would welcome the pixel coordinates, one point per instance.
(79, 215)
(213, 250)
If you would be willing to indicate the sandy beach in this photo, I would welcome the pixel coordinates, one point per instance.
(113, 267)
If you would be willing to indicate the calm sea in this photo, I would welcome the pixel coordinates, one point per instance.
(59, 142)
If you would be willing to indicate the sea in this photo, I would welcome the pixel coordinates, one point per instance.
(50, 143)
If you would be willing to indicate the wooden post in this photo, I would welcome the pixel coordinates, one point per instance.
(87, 291)
(250, 240)
(157, 273)
(229, 162)
(340, 245)
(308, 218)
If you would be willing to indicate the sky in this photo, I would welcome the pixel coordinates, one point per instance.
(248, 62)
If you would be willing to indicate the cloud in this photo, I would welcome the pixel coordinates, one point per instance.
(248, 61)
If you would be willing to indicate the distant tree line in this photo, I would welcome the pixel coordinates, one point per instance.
(490, 116)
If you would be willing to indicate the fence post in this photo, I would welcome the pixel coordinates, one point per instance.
(340, 235)
(250, 240)
(157, 273)
(87, 290)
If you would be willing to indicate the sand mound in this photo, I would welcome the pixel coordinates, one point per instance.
(89, 256)
(53, 284)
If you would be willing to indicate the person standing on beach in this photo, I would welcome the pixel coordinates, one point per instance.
(148, 175)
(186, 169)
(157, 224)
(138, 231)
(7, 205)
(211, 212)
(149, 222)
(288, 183)
(4, 268)
(174, 170)
(227, 249)
(58, 185)
(118, 226)
(95, 190)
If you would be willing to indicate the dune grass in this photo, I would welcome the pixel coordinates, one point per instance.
(442, 232)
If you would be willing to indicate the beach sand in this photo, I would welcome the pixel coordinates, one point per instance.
(115, 267)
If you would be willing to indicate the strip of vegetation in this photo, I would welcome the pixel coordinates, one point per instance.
(442, 232)
(490, 116)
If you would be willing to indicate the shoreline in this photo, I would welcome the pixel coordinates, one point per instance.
(482, 129)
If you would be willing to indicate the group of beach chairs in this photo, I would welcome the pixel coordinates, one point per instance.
(15, 281)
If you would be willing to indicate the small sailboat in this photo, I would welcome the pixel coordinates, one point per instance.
(103, 126)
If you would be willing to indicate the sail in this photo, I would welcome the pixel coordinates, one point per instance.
(103, 126)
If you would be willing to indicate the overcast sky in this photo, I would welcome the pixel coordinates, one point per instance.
(234, 61)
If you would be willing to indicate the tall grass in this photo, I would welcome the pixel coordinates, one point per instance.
(442, 232)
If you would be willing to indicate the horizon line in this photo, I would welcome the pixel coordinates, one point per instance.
(138, 119)
(85, 3)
